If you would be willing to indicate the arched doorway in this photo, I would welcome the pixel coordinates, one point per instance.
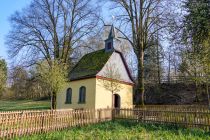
(116, 101)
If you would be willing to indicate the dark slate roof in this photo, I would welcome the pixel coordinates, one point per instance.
(111, 33)
(90, 64)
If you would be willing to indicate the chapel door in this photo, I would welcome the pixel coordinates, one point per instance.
(116, 101)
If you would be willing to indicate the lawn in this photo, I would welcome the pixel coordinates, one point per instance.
(123, 130)
(23, 105)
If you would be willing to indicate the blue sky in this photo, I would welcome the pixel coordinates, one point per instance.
(7, 8)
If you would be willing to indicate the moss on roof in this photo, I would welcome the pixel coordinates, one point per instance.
(90, 64)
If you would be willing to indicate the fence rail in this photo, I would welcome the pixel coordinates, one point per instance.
(174, 79)
(184, 118)
(21, 123)
(179, 108)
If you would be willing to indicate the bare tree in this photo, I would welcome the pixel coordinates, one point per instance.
(19, 77)
(139, 20)
(49, 30)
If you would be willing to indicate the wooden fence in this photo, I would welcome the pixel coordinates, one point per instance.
(178, 108)
(21, 123)
(173, 79)
(194, 119)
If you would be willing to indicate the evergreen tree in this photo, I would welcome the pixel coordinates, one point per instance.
(196, 35)
(152, 61)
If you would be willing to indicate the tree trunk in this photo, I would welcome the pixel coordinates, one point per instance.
(196, 91)
(158, 59)
(141, 78)
(207, 92)
(169, 67)
(53, 100)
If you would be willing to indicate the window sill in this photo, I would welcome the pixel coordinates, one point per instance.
(68, 103)
(81, 102)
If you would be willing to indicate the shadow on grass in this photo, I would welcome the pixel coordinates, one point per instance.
(170, 128)
(153, 128)
(123, 129)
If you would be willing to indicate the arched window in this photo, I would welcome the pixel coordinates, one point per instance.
(82, 94)
(68, 95)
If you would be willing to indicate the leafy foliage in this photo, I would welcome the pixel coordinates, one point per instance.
(54, 76)
(197, 19)
(196, 35)
(25, 84)
(3, 75)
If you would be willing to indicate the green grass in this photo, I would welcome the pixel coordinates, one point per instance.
(23, 105)
(123, 130)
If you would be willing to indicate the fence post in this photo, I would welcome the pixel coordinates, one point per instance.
(42, 126)
(186, 120)
(22, 123)
(99, 115)
(112, 114)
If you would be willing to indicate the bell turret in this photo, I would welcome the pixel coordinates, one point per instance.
(110, 41)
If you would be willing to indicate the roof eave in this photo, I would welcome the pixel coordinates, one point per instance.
(126, 66)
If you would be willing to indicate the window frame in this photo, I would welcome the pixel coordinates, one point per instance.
(82, 95)
(68, 91)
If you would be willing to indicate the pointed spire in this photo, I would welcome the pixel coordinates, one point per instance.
(110, 41)
(112, 32)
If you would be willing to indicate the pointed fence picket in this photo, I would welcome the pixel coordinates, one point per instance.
(196, 119)
(22, 123)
